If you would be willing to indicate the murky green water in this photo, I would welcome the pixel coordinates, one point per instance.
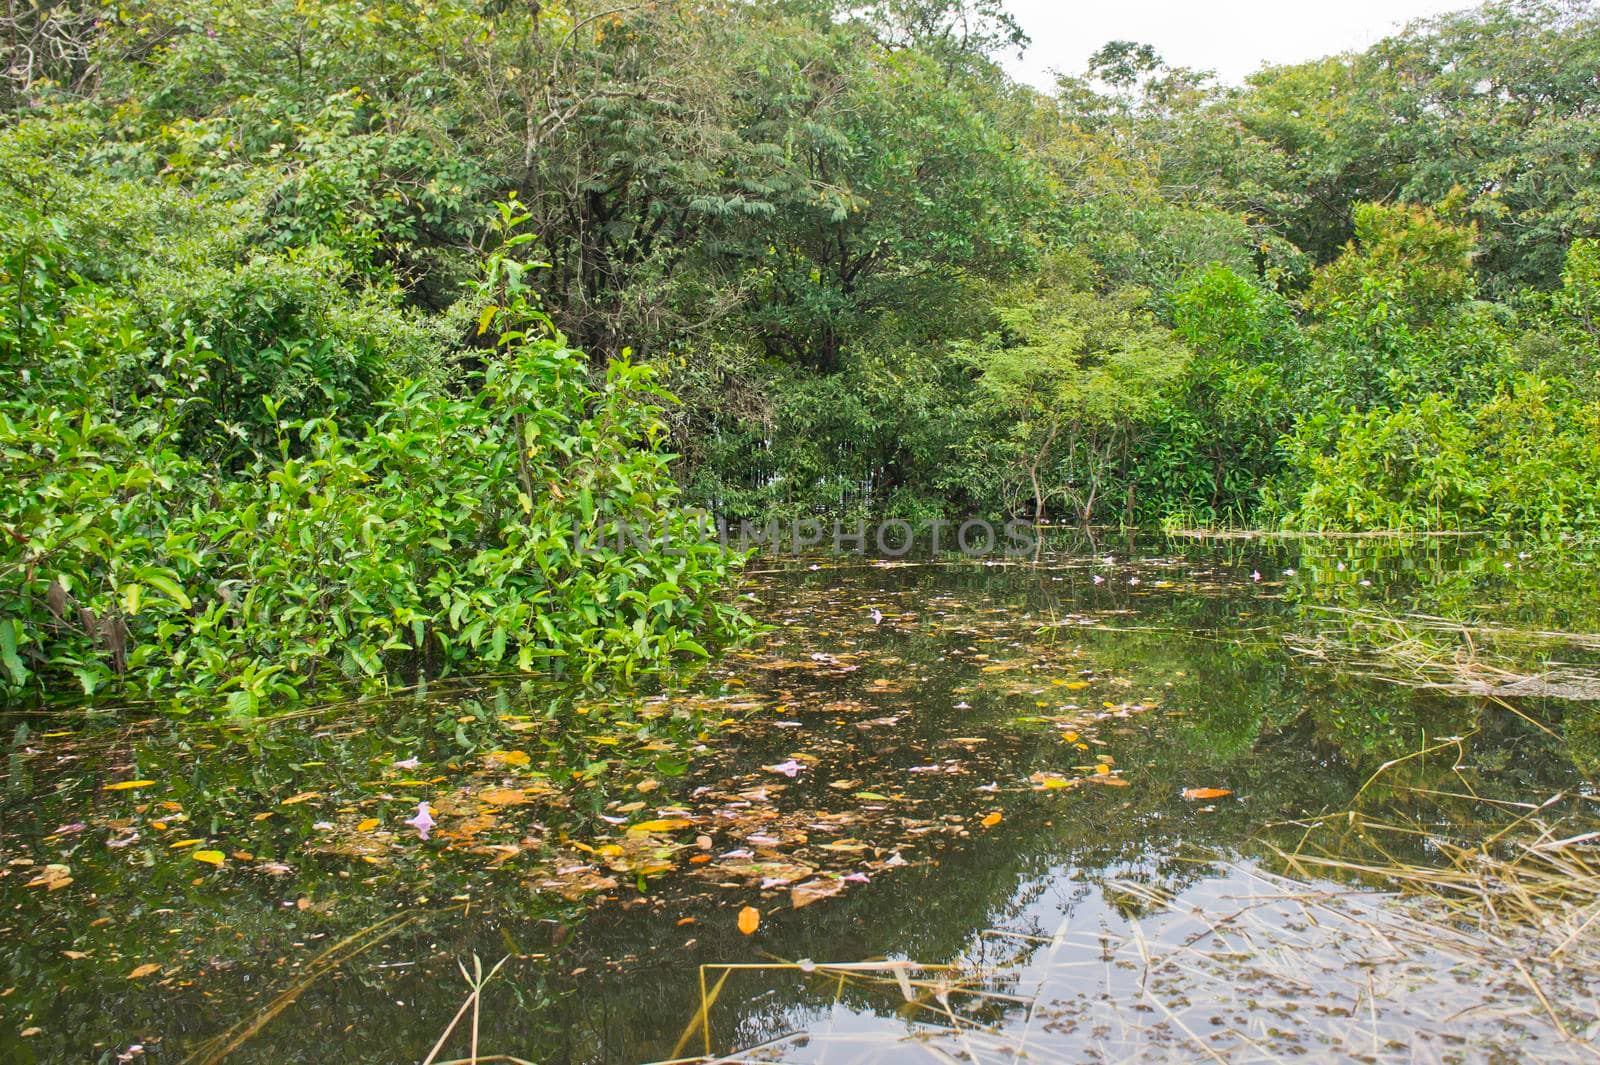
(989, 782)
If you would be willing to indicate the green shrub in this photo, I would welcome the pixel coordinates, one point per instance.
(1528, 458)
(243, 492)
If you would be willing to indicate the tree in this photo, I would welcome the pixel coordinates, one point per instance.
(1072, 372)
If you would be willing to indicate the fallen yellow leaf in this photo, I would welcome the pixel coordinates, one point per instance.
(507, 758)
(991, 820)
(142, 971)
(368, 825)
(669, 824)
(209, 857)
(126, 784)
(187, 843)
(749, 920)
(504, 796)
(1206, 793)
(294, 800)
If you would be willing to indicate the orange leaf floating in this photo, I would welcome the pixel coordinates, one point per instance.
(509, 759)
(1206, 793)
(992, 820)
(749, 920)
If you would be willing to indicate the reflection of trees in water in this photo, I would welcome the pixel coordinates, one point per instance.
(1291, 739)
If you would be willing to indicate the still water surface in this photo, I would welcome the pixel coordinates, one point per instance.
(986, 779)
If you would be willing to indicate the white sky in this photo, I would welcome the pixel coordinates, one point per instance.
(1232, 37)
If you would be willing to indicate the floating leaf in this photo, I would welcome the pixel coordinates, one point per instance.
(52, 878)
(127, 784)
(504, 796)
(209, 857)
(508, 758)
(186, 843)
(368, 825)
(1206, 793)
(669, 824)
(304, 796)
(992, 819)
(142, 971)
(814, 891)
(749, 920)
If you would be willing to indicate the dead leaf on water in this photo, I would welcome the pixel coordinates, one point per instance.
(1206, 793)
(749, 920)
(142, 971)
(814, 891)
(668, 824)
(52, 878)
(126, 784)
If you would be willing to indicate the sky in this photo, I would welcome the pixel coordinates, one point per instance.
(1232, 37)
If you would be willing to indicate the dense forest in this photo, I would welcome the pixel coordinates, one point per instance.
(325, 324)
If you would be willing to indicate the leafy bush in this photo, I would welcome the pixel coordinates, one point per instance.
(364, 520)
(1526, 459)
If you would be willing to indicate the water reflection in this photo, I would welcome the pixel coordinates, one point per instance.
(970, 765)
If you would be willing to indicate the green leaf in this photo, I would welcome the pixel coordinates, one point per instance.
(9, 632)
(169, 587)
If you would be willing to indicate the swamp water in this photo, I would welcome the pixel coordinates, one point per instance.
(1079, 810)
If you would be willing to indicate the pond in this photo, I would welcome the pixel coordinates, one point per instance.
(1127, 802)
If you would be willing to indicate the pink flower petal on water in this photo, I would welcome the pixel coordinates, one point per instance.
(788, 769)
(423, 822)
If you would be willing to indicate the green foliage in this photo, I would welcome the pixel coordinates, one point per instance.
(1525, 459)
(1067, 366)
(1213, 445)
(1404, 265)
(226, 480)
(243, 272)
(1563, 337)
